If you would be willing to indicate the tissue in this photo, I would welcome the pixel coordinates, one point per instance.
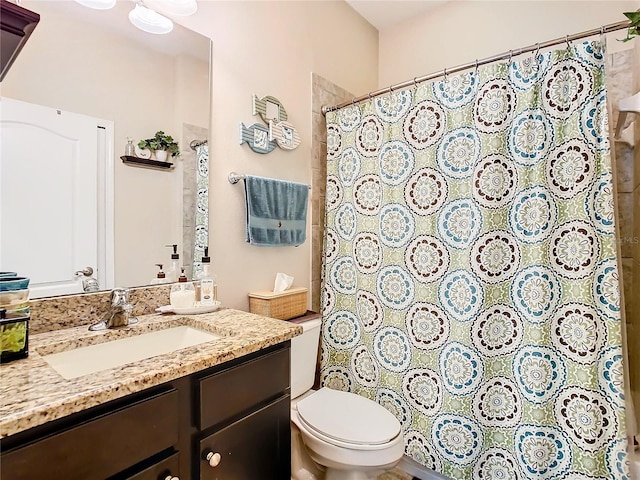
(282, 283)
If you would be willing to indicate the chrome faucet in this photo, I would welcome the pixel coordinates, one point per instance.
(119, 313)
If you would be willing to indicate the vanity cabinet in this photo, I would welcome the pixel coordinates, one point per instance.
(230, 421)
(254, 442)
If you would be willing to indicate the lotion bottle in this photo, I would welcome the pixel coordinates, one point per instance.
(207, 281)
(183, 293)
(160, 278)
(173, 273)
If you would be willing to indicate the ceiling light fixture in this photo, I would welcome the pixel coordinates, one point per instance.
(97, 4)
(149, 20)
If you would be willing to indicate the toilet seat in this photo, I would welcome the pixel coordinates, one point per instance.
(351, 422)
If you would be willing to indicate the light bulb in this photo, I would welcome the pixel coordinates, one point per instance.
(97, 4)
(149, 21)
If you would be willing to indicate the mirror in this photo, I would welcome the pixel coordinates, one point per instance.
(95, 63)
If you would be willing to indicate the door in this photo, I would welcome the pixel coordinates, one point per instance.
(49, 166)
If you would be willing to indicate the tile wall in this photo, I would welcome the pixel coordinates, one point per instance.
(324, 93)
(622, 82)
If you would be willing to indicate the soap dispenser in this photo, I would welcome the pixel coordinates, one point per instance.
(174, 268)
(183, 293)
(160, 277)
(207, 281)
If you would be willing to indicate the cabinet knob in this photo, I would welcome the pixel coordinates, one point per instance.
(213, 458)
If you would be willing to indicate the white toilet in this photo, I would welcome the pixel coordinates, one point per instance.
(345, 436)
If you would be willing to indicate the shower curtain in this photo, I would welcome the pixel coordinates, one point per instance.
(470, 277)
(201, 223)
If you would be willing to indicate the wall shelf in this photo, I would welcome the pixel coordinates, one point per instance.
(146, 163)
(16, 25)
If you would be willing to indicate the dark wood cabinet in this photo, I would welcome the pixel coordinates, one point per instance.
(257, 446)
(16, 25)
(239, 410)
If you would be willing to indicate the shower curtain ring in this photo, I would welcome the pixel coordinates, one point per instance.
(537, 50)
(476, 71)
(415, 82)
(445, 74)
(369, 95)
(390, 89)
(566, 39)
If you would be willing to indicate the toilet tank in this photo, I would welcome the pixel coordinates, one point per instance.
(304, 354)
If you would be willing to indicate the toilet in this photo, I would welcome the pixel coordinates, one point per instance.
(336, 435)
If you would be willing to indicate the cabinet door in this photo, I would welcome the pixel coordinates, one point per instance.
(255, 447)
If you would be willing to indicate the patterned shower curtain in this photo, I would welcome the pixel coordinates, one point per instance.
(470, 273)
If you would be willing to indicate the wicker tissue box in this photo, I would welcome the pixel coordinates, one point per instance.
(282, 305)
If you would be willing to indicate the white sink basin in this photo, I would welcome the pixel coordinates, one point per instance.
(103, 356)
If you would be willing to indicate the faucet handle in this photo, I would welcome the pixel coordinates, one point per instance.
(86, 271)
(119, 296)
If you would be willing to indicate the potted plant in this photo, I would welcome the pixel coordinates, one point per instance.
(162, 145)
(634, 27)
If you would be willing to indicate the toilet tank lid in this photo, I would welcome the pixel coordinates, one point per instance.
(348, 417)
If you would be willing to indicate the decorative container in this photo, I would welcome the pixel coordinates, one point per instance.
(14, 336)
(15, 301)
(281, 305)
(13, 283)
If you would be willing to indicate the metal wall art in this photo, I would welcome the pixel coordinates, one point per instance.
(269, 108)
(263, 139)
(257, 137)
(285, 134)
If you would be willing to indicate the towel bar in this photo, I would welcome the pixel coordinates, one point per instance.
(196, 143)
(236, 177)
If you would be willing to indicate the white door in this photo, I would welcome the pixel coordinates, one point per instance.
(49, 170)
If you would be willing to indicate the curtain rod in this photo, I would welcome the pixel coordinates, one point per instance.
(511, 53)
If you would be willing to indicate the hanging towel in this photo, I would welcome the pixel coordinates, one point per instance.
(276, 211)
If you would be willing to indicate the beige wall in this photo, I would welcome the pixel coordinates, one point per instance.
(79, 68)
(271, 48)
(461, 31)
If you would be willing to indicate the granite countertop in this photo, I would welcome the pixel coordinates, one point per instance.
(33, 393)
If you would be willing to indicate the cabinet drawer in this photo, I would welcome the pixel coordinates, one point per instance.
(99, 447)
(255, 447)
(234, 391)
(169, 467)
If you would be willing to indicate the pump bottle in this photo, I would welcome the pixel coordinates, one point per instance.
(183, 293)
(207, 281)
(173, 273)
(160, 277)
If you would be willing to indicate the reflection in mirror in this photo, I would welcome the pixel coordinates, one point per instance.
(95, 63)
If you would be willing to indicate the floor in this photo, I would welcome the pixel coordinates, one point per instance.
(395, 475)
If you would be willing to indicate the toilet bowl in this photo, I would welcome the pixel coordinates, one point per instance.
(346, 436)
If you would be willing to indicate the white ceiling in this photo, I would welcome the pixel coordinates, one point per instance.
(386, 13)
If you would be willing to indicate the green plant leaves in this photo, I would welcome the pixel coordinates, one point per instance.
(634, 28)
(161, 141)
